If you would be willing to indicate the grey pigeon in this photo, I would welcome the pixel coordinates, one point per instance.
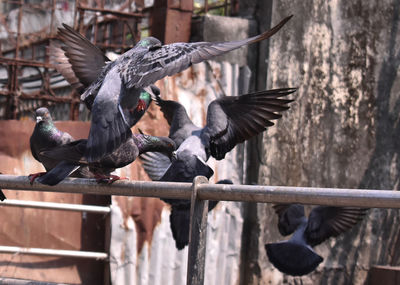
(115, 92)
(72, 157)
(80, 62)
(296, 256)
(46, 136)
(230, 120)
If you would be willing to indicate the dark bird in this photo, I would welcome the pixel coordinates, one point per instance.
(115, 92)
(46, 136)
(230, 120)
(296, 256)
(2, 196)
(71, 157)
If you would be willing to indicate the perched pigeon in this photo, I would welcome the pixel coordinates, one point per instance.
(72, 157)
(230, 120)
(46, 136)
(115, 92)
(296, 256)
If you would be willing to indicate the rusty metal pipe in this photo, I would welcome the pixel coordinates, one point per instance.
(247, 193)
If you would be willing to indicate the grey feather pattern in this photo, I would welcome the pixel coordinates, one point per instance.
(173, 58)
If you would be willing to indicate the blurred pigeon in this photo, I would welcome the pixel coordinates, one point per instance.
(46, 136)
(115, 92)
(296, 256)
(230, 120)
(72, 157)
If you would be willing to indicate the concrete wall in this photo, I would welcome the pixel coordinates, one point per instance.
(342, 131)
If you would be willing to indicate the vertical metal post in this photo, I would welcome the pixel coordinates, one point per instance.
(197, 235)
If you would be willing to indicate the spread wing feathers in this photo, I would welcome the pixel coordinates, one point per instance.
(234, 119)
(181, 127)
(62, 65)
(290, 216)
(71, 152)
(87, 60)
(325, 222)
(171, 59)
(155, 164)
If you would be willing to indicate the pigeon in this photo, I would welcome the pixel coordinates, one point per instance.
(71, 157)
(80, 62)
(296, 256)
(230, 120)
(115, 91)
(45, 136)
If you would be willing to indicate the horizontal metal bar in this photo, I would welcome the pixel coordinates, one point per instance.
(246, 193)
(172, 190)
(54, 252)
(56, 206)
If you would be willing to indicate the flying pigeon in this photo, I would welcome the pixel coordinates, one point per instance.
(71, 157)
(230, 120)
(296, 256)
(45, 136)
(80, 62)
(115, 92)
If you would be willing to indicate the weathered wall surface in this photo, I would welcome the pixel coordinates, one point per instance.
(343, 129)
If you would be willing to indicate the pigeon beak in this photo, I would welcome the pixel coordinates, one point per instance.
(39, 119)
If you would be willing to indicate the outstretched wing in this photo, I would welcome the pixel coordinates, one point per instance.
(234, 119)
(155, 164)
(63, 66)
(181, 127)
(171, 59)
(87, 60)
(325, 222)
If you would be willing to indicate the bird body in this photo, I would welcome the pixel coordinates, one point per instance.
(296, 256)
(46, 136)
(230, 120)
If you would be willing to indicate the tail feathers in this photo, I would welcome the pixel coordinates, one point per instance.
(180, 225)
(58, 173)
(2, 196)
(293, 258)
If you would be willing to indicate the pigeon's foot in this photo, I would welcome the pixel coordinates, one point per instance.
(33, 176)
(108, 179)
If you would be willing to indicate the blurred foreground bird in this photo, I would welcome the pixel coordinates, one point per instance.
(230, 120)
(115, 92)
(44, 137)
(296, 256)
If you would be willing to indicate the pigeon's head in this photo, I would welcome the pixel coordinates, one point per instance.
(149, 43)
(42, 114)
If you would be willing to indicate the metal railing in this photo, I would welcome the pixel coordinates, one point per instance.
(200, 192)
